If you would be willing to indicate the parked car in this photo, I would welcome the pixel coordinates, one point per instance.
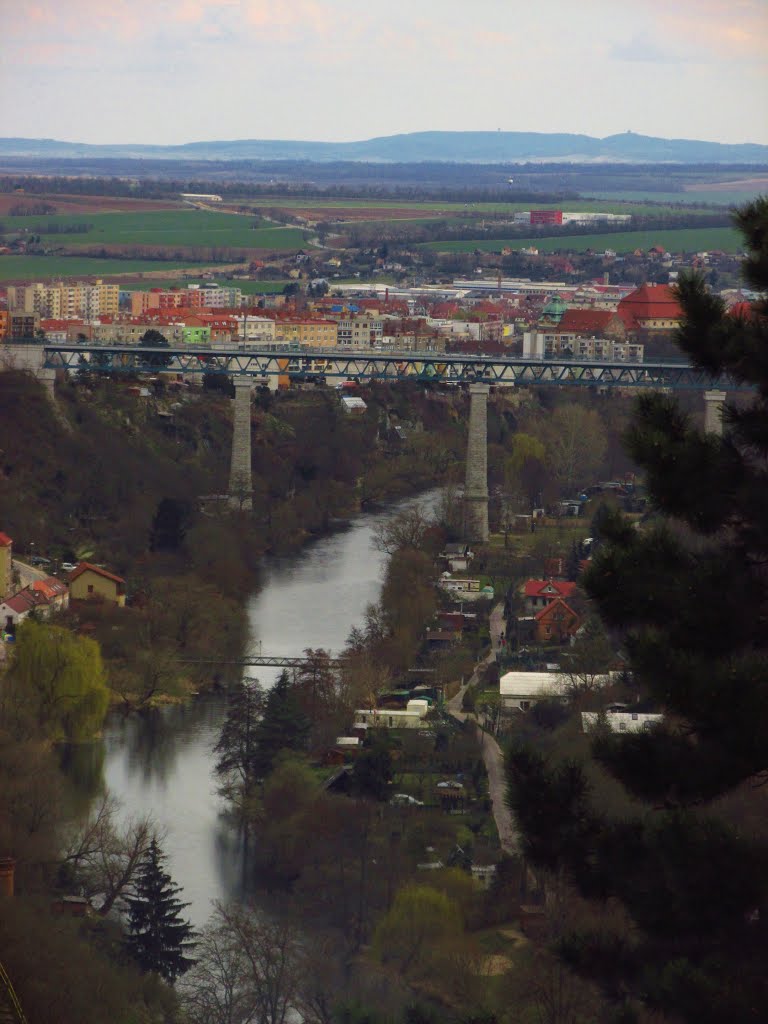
(68, 566)
(39, 560)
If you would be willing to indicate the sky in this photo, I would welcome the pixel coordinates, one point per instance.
(173, 71)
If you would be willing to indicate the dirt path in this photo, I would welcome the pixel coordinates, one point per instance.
(493, 756)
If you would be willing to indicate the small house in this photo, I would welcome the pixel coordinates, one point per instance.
(519, 691)
(620, 718)
(90, 582)
(556, 623)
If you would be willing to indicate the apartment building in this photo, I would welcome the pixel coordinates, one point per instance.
(360, 332)
(542, 345)
(310, 333)
(255, 330)
(62, 301)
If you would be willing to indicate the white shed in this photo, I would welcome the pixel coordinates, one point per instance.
(519, 691)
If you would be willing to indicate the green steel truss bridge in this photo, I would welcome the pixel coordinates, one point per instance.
(342, 365)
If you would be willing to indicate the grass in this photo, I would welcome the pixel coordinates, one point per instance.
(246, 287)
(673, 240)
(171, 228)
(608, 203)
(31, 268)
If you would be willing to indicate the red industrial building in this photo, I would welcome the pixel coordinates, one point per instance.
(546, 217)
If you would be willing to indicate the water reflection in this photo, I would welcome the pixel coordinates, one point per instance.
(161, 763)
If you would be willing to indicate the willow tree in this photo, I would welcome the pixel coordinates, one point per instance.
(57, 680)
(690, 596)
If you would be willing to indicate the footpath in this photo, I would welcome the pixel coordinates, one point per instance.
(493, 756)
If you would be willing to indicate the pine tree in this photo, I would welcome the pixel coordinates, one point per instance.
(283, 726)
(158, 938)
(690, 595)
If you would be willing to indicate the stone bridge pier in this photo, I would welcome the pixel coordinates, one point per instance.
(240, 479)
(476, 480)
(713, 412)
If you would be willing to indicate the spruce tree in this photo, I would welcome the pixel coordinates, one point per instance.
(283, 726)
(689, 593)
(158, 938)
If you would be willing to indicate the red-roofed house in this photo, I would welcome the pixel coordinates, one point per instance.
(90, 582)
(556, 623)
(539, 593)
(592, 322)
(54, 591)
(651, 307)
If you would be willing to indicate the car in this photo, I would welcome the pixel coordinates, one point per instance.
(68, 566)
(406, 800)
(39, 560)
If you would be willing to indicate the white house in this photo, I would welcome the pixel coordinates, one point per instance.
(384, 718)
(620, 718)
(519, 691)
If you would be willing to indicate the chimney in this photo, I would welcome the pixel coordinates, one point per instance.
(7, 870)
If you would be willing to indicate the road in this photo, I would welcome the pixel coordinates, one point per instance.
(493, 756)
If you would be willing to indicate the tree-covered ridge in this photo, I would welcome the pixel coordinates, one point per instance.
(688, 596)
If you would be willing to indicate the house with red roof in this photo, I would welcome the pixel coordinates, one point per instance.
(539, 593)
(592, 323)
(651, 307)
(54, 591)
(556, 623)
(93, 583)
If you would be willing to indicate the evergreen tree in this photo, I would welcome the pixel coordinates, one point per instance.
(158, 938)
(690, 595)
(283, 726)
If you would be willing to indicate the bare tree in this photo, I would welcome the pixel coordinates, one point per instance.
(246, 972)
(407, 529)
(102, 855)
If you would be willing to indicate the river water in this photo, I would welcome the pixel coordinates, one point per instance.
(161, 763)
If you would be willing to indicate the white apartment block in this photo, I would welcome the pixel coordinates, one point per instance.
(543, 345)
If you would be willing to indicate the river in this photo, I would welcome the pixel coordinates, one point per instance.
(161, 763)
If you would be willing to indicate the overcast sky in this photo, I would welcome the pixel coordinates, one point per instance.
(171, 71)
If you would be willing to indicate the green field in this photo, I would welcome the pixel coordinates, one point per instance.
(246, 287)
(39, 268)
(171, 228)
(674, 240)
(715, 197)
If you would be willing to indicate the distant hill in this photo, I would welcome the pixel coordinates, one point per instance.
(418, 147)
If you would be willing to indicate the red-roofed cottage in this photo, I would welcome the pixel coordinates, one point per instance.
(90, 582)
(539, 593)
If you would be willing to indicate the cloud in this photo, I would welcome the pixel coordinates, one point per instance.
(643, 49)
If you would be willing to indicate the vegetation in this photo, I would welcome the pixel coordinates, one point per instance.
(681, 864)
(679, 240)
(56, 684)
(158, 939)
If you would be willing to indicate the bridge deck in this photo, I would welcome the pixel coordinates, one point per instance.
(453, 368)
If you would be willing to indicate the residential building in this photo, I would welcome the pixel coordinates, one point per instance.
(310, 333)
(64, 301)
(651, 307)
(3, 324)
(255, 330)
(23, 325)
(360, 332)
(539, 593)
(556, 623)
(620, 718)
(389, 718)
(519, 691)
(91, 582)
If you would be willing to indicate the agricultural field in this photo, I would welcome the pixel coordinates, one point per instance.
(162, 228)
(39, 268)
(246, 287)
(673, 240)
(358, 209)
